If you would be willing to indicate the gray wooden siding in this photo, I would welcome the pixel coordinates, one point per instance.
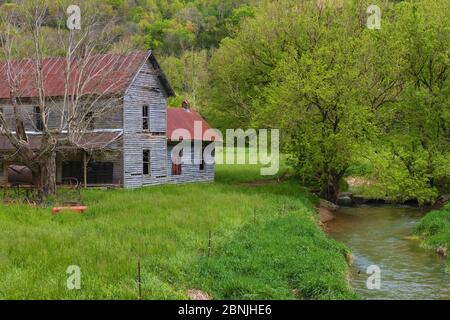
(145, 90)
(190, 169)
(109, 120)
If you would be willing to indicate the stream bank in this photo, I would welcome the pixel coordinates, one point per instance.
(380, 236)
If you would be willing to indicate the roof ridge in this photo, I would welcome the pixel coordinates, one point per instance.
(135, 52)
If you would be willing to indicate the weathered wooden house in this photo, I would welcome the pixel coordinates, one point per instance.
(129, 146)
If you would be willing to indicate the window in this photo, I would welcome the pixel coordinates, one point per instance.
(176, 163)
(89, 118)
(145, 118)
(37, 118)
(176, 169)
(202, 159)
(146, 162)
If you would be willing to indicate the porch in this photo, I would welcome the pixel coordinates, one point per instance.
(96, 161)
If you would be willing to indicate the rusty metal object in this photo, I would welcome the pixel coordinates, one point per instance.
(20, 175)
(77, 209)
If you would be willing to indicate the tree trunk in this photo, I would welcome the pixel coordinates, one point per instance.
(330, 193)
(45, 176)
(331, 189)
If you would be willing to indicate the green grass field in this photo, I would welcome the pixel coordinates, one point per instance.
(434, 228)
(283, 254)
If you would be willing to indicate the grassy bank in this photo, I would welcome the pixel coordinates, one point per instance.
(434, 228)
(282, 254)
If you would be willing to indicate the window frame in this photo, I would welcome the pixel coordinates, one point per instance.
(202, 165)
(145, 118)
(37, 118)
(146, 162)
(177, 169)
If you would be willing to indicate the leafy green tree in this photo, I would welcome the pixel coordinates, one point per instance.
(341, 92)
(299, 67)
(414, 158)
(317, 95)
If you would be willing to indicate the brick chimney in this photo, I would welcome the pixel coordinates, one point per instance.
(185, 105)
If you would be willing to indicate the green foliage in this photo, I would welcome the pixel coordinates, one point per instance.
(299, 75)
(343, 94)
(167, 26)
(170, 27)
(435, 223)
(411, 160)
(240, 14)
(361, 168)
(189, 74)
(434, 228)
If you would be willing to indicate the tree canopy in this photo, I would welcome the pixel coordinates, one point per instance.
(342, 93)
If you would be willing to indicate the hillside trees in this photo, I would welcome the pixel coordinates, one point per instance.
(183, 34)
(189, 76)
(170, 27)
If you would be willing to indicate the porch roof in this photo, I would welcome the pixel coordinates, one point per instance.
(90, 140)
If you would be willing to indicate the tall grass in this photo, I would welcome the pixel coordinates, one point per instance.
(283, 255)
(434, 228)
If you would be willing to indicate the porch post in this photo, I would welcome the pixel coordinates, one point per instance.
(5, 180)
(85, 168)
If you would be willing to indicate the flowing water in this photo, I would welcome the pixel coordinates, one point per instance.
(377, 236)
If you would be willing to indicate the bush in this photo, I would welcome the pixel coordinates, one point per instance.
(434, 228)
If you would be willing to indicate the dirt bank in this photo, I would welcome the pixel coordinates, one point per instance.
(325, 214)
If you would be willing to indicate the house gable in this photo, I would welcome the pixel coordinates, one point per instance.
(146, 90)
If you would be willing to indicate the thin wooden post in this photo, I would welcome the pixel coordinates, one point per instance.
(254, 215)
(85, 168)
(209, 243)
(5, 181)
(139, 278)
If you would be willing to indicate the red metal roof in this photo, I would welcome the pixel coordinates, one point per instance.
(98, 74)
(179, 118)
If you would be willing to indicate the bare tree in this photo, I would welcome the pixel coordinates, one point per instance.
(67, 92)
